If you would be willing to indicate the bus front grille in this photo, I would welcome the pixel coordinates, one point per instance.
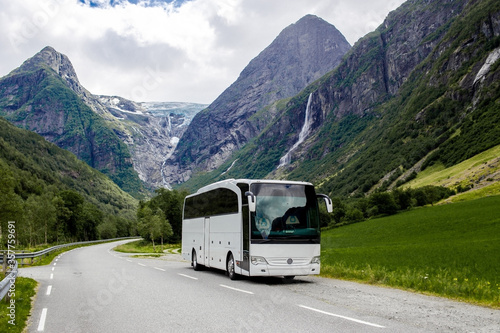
(288, 261)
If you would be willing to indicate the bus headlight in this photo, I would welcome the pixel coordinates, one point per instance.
(258, 260)
(315, 260)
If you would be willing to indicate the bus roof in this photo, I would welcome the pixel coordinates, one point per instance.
(226, 182)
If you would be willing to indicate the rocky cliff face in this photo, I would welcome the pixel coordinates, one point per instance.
(377, 65)
(151, 131)
(302, 53)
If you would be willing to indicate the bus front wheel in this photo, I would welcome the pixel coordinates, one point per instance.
(230, 267)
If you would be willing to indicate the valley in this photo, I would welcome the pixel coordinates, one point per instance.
(413, 104)
(401, 129)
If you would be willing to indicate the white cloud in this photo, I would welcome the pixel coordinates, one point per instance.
(188, 51)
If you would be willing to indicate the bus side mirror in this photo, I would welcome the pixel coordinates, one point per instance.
(328, 202)
(251, 201)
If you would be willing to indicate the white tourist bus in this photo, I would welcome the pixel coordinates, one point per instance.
(254, 228)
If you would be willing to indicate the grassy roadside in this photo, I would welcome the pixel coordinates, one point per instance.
(448, 250)
(142, 246)
(14, 314)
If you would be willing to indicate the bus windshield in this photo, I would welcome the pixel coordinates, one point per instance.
(285, 213)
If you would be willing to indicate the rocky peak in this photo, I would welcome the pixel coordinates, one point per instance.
(300, 54)
(63, 67)
(59, 62)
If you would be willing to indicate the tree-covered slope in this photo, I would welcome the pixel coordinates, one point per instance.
(53, 196)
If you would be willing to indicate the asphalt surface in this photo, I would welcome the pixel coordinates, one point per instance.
(94, 289)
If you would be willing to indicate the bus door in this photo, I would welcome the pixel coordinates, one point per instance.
(206, 234)
(245, 264)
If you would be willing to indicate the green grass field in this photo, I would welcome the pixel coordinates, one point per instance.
(450, 250)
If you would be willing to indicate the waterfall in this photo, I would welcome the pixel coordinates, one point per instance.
(230, 167)
(286, 159)
(169, 124)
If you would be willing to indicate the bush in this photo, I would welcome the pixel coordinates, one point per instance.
(324, 217)
(403, 199)
(338, 210)
(354, 215)
(384, 201)
(430, 194)
(107, 230)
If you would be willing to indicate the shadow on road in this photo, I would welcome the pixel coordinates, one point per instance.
(269, 280)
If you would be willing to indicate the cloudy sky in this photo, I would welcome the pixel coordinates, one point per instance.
(166, 50)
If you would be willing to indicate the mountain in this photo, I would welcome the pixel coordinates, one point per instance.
(44, 95)
(151, 130)
(126, 140)
(422, 89)
(299, 55)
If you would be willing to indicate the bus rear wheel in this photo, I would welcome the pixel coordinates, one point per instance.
(194, 261)
(230, 267)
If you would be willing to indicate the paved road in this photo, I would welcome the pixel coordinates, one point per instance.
(94, 289)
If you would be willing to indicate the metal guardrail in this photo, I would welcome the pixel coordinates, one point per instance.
(7, 283)
(10, 279)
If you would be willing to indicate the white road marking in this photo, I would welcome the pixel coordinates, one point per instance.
(41, 324)
(343, 317)
(240, 290)
(51, 276)
(53, 269)
(49, 289)
(191, 277)
(55, 263)
(160, 269)
(141, 264)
